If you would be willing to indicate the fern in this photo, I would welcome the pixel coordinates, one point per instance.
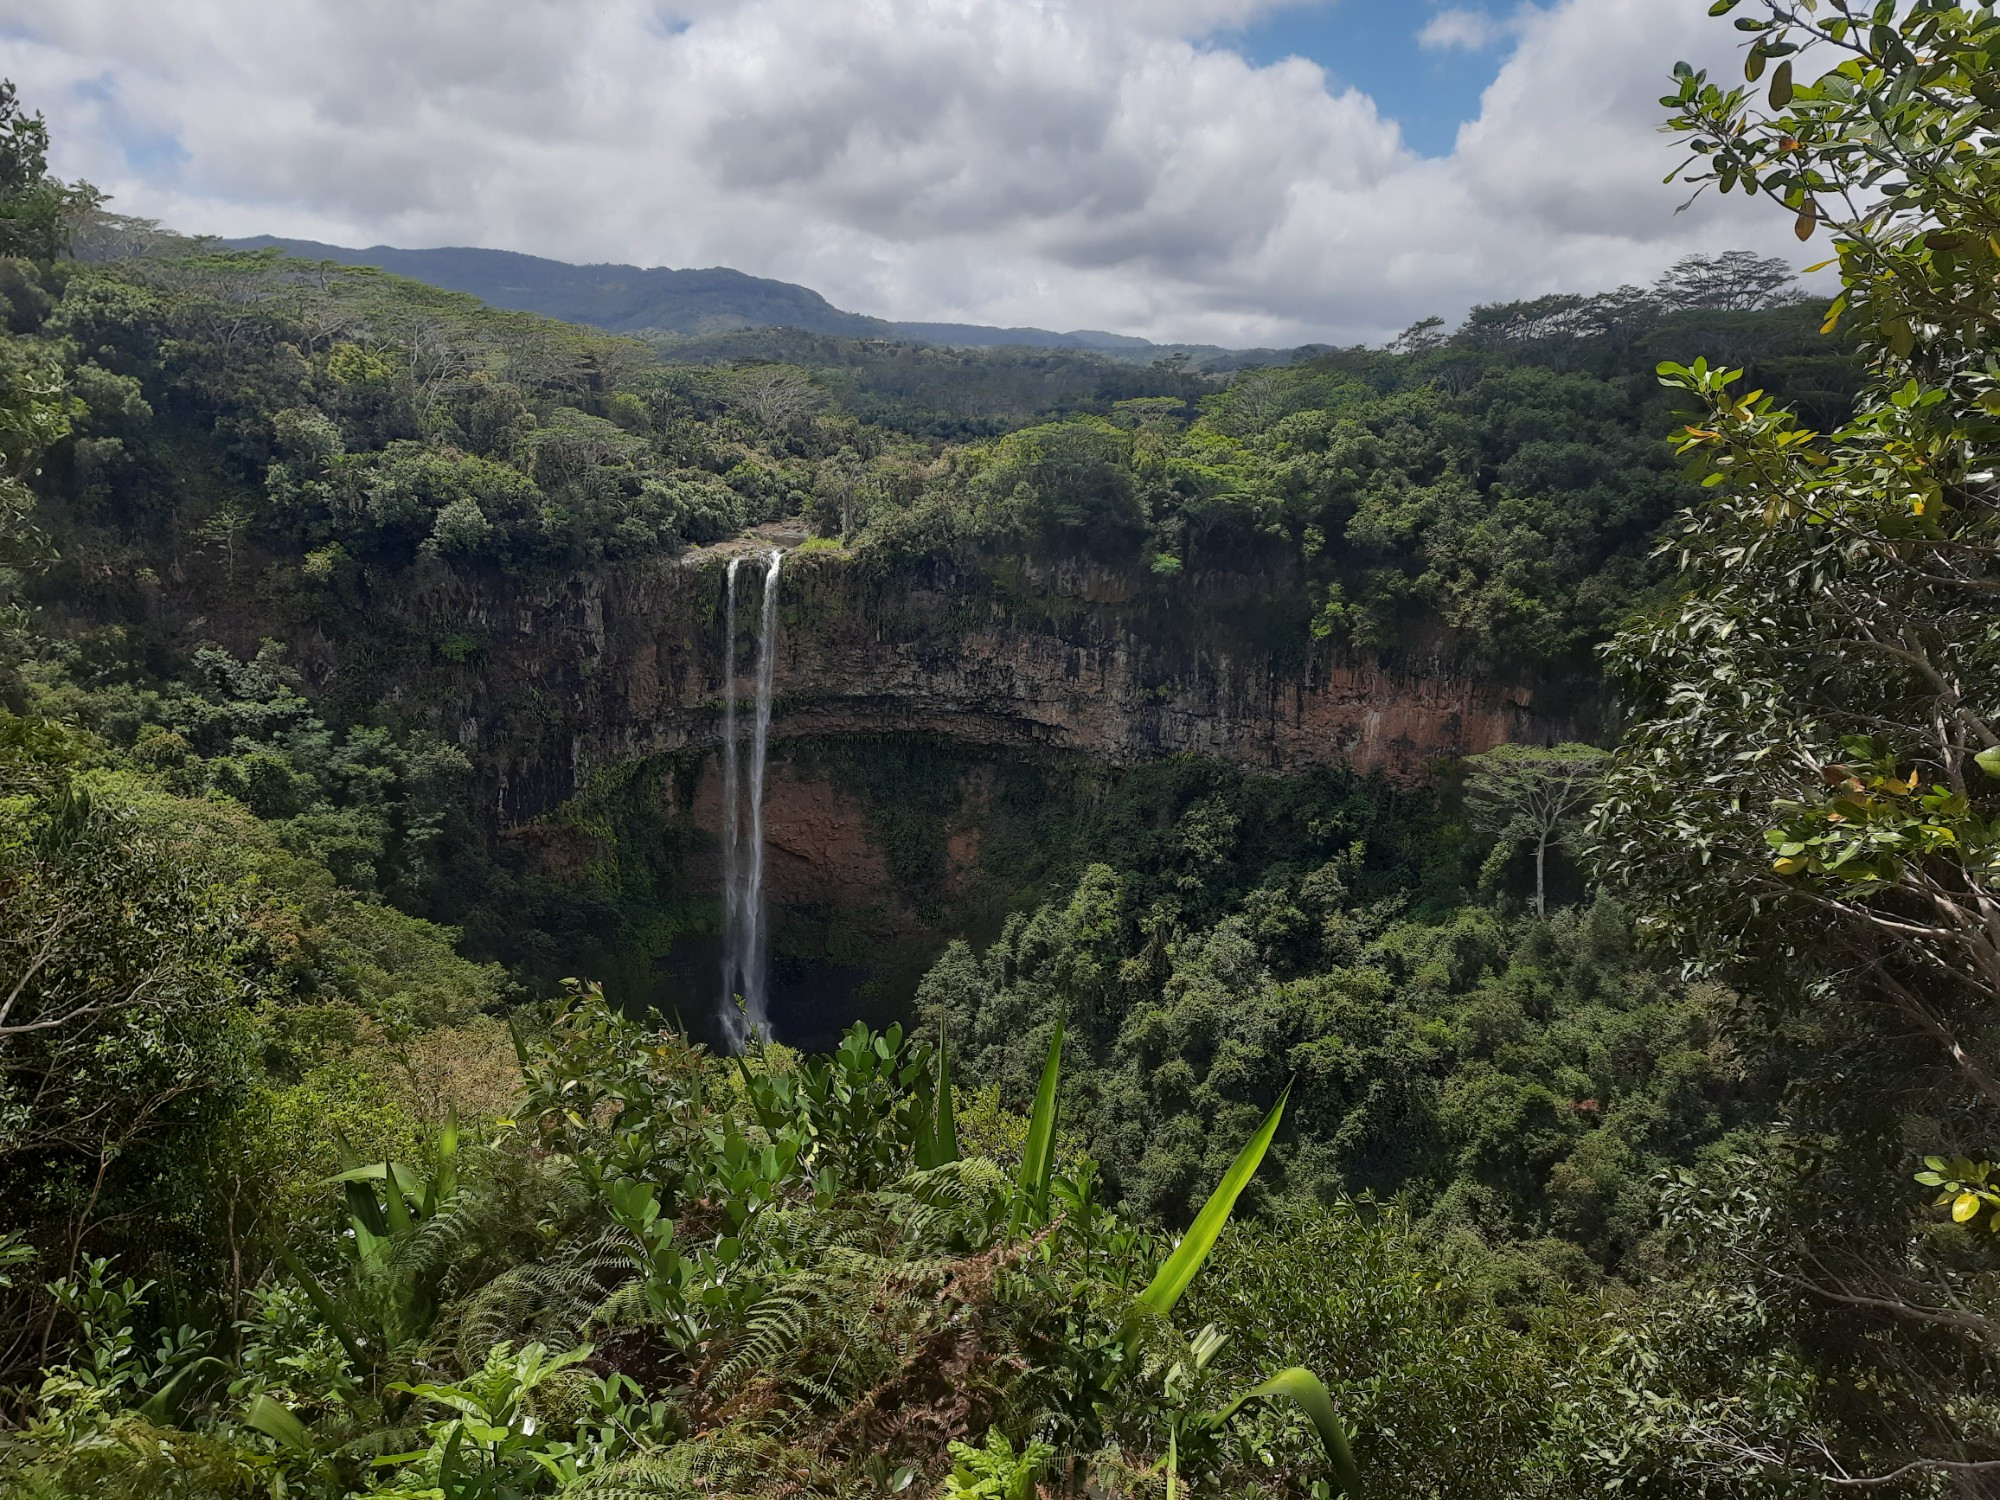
(551, 1303)
(955, 1204)
(777, 1325)
(715, 1466)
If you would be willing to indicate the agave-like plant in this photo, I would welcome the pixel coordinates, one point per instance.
(937, 1125)
(1177, 1273)
(1038, 1156)
(391, 1299)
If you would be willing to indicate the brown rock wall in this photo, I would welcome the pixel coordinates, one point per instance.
(626, 663)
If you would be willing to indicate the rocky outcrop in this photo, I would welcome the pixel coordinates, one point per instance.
(625, 662)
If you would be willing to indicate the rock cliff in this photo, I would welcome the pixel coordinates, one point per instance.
(556, 684)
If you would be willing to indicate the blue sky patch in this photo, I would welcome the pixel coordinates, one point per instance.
(1373, 46)
(153, 153)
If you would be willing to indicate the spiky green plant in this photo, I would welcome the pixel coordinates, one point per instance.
(391, 1299)
(1038, 1156)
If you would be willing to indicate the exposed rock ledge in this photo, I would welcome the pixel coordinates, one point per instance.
(626, 662)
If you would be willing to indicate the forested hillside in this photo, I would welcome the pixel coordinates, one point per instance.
(690, 303)
(1568, 1119)
(617, 299)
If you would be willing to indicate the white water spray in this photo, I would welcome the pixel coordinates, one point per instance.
(732, 825)
(744, 938)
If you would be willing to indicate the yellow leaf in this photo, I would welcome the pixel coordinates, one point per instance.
(1964, 1207)
(1788, 866)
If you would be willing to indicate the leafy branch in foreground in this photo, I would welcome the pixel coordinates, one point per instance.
(1808, 803)
(1831, 677)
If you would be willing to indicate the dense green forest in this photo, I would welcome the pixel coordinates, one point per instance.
(1579, 1120)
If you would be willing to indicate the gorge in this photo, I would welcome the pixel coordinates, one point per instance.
(635, 681)
(752, 913)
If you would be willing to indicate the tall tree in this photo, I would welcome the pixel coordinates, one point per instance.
(1736, 280)
(1528, 794)
(38, 213)
(1810, 798)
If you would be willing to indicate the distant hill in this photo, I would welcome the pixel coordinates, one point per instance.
(621, 299)
(629, 299)
(978, 336)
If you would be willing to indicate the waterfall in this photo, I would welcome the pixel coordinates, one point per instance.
(754, 997)
(743, 926)
(732, 825)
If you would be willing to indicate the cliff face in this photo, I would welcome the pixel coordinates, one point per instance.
(627, 662)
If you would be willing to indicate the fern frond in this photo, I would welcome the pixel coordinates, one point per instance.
(715, 1466)
(777, 1325)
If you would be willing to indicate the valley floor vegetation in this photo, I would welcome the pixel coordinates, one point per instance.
(1590, 1122)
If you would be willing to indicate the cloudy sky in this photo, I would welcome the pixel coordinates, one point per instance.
(1236, 171)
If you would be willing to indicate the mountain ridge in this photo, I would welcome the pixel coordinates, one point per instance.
(630, 299)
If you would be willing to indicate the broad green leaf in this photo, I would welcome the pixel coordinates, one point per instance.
(395, 1207)
(937, 1125)
(1174, 1277)
(276, 1422)
(164, 1407)
(1305, 1389)
(923, 1143)
(947, 1118)
(443, 1186)
(1988, 761)
(1964, 1207)
(1781, 85)
(1039, 1156)
(324, 1305)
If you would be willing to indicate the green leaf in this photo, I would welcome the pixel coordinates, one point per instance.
(275, 1422)
(1305, 1389)
(1174, 1277)
(1988, 761)
(923, 1132)
(395, 1207)
(443, 1184)
(1781, 85)
(164, 1407)
(947, 1119)
(324, 1306)
(1038, 1158)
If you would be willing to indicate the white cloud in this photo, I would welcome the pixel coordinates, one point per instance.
(1463, 30)
(1068, 163)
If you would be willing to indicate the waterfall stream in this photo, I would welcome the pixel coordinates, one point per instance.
(743, 926)
(732, 822)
